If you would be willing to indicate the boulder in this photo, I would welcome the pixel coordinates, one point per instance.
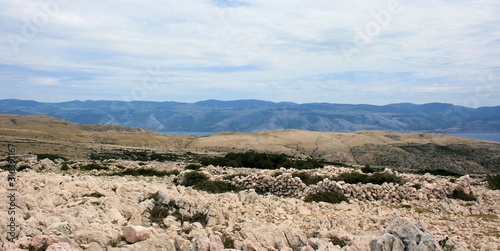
(135, 234)
(216, 243)
(201, 243)
(40, 242)
(61, 246)
(387, 242)
(403, 235)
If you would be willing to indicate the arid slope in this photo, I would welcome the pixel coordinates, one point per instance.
(40, 134)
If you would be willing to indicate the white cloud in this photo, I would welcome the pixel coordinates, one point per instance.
(442, 46)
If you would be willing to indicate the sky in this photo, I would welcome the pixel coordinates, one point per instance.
(353, 51)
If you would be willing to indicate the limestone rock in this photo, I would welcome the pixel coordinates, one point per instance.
(135, 234)
(201, 243)
(61, 246)
(403, 235)
(216, 243)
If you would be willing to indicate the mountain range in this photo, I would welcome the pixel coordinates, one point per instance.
(257, 115)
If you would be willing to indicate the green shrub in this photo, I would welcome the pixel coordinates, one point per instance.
(215, 186)
(258, 160)
(337, 241)
(330, 197)
(134, 156)
(193, 166)
(23, 167)
(64, 167)
(493, 181)
(460, 194)
(307, 179)
(193, 178)
(93, 166)
(376, 178)
(146, 172)
(367, 169)
(49, 156)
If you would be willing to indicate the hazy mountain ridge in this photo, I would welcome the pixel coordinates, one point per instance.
(257, 115)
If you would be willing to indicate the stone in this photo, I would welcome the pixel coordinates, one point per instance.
(61, 246)
(411, 236)
(201, 243)
(387, 242)
(40, 242)
(135, 234)
(93, 246)
(216, 243)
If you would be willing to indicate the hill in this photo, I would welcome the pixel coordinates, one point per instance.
(42, 134)
(256, 115)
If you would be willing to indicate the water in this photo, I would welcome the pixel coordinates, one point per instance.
(189, 133)
(481, 136)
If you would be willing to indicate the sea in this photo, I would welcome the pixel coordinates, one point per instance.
(495, 137)
(188, 133)
(481, 136)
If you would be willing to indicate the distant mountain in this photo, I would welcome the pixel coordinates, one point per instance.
(257, 115)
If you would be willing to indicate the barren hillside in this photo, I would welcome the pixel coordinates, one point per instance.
(40, 134)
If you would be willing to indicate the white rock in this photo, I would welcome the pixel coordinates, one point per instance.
(135, 234)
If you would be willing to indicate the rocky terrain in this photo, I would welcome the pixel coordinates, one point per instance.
(40, 134)
(80, 209)
(105, 187)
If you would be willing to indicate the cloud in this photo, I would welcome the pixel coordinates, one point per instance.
(276, 50)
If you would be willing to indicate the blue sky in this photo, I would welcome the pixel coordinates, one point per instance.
(361, 51)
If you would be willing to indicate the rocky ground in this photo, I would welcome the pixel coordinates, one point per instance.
(92, 210)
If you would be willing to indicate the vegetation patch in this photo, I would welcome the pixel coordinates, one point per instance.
(193, 178)
(337, 241)
(376, 178)
(460, 194)
(134, 156)
(146, 172)
(193, 166)
(441, 172)
(493, 181)
(52, 157)
(307, 178)
(93, 166)
(215, 186)
(258, 160)
(330, 197)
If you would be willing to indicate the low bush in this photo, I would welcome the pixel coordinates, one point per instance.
(493, 181)
(376, 178)
(307, 178)
(258, 160)
(460, 194)
(330, 197)
(337, 241)
(93, 166)
(193, 178)
(215, 186)
(50, 156)
(146, 172)
(23, 167)
(367, 169)
(193, 166)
